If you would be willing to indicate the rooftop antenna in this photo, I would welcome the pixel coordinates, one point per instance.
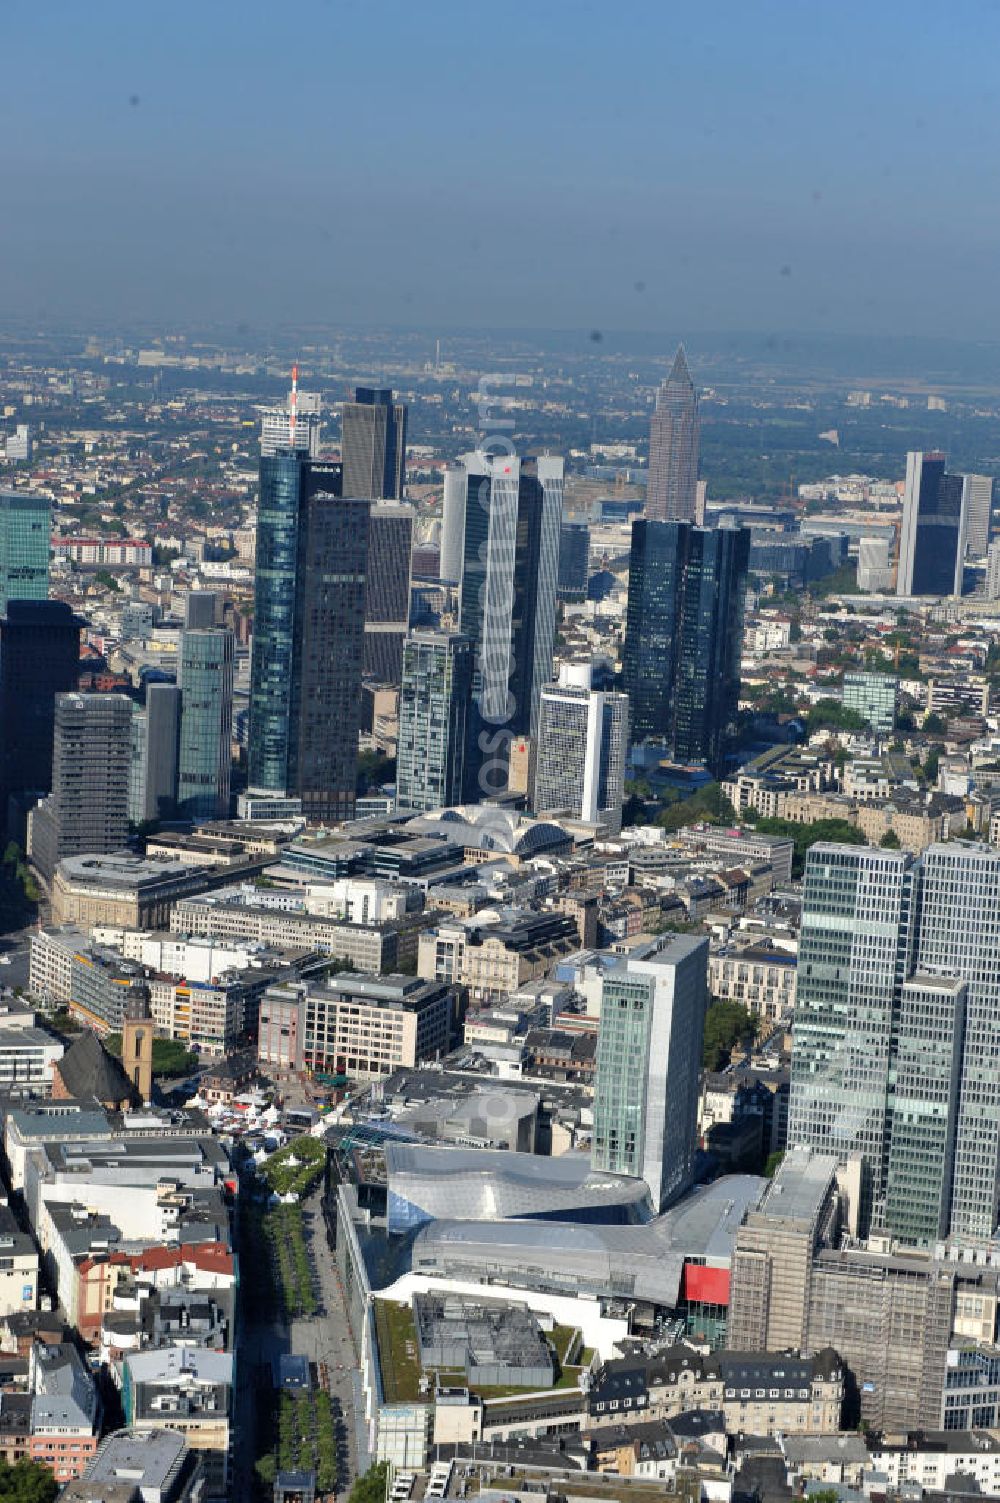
(293, 403)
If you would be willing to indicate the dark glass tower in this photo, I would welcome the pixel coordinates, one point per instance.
(309, 616)
(373, 445)
(387, 609)
(672, 487)
(683, 635)
(507, 603)
(39, 658)
(574, 560)
(87, 811)
(931, 544)
(206, 727)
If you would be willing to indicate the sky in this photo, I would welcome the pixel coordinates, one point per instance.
(720, 165)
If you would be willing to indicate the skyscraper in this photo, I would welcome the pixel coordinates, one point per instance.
(25, 527)
(931, 542)
(453, 522)
(896, 1018)
(204, 758)
(672, 487)
(683, 636)
(373, 445)
(977, 514)
(387, 602)
(574, 560)
(39, 658)
(309, 616)
(152, 791)
(582, 748)
(199, 609)
(434, 705)
(87, 811)
(649, 1049)
(507, 600)
(276, 423)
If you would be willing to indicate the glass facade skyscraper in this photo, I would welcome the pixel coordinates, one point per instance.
(373, 445)
(896, 1020)
(39, 658)
(932, 536)
(434, 705)
(204, 757)
(649, 1049)
(25, 528)
(87, 811)
(387, 604)
(309, 616)
(507, 601)
(674, 431)
(683, 636)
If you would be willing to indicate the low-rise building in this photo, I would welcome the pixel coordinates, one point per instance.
(497, 951)
(189, 1390)
(363, 1026)
(65, 1411)
(758, 978)
(133, 892)
(139, 1466)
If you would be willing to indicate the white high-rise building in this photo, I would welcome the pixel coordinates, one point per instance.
(582, 748)
(977, 513)
(275, 425)
(993, 571)
(649, 1050)
(456, 482)
(874, 565)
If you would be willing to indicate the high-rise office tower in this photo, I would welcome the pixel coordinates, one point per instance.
(278, 432)
(387, 602)
(574, 560)
(672, 487)
(896, 1017)
(152, 788)
(25, 528)
(931, 542)
(204, 756)
(649, 1049)
(39, 658)
(434, 705)
(309, 621)
(507, 601)
(683, 636)
(87, 811)
(993, 570)
(453, 522)
(977, 514)
(874, 565)
(582, 749)
(199, 609)
(373, 445)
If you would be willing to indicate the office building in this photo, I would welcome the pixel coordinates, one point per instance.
(387, 602)
(582, 749)
(204, 755)
(874, 696)
(199, 609)
(363, 1026)
(16, 447)
(672, 487)
(993, 571)
(39, 658)
(373, 445)
(87, 811)
(648, 1061)
(874, 565)
(25, 526)
(977, 514)
(309, 617)
(152, 787)
(507, 602)
(276, 429)
(453, 522)
(574, 560)
(683, 636)
(932, 535)
(434, 705)
(895, 1022)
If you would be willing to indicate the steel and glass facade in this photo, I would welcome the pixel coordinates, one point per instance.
(373, 445)
(387, 605)
(582, 749)
(206, 730)
(434, 706)
(649, 1051)
(931, 543)
(683, 636)
(25, 528)
(309, 615)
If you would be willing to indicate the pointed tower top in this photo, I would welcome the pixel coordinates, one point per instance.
(679, 373)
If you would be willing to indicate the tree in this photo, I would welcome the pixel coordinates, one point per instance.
(831, 714)
(890, 841)
(170, 1058)
(370, 1488)
(726, 1022)
(934, 725)
(27, 1482)
(773, 1161)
